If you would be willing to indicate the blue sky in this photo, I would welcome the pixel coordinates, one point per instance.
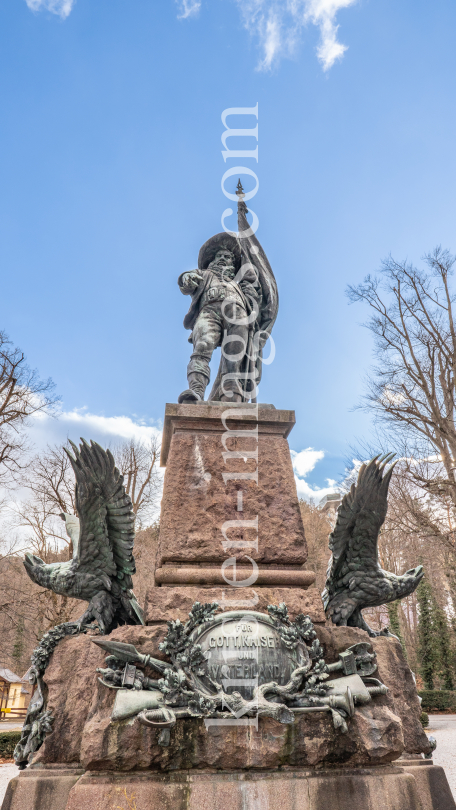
(110, 170)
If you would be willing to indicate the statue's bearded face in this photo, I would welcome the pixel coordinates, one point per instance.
(223, 263)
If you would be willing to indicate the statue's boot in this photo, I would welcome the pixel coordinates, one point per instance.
(197, 386)
(231, 391)
(188, 396)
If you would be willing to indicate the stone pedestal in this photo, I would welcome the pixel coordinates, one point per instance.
(375, 788)
(90, 763)
(42, 788)
(229, 492)
(229, 480)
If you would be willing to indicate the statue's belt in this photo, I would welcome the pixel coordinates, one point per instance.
(215, 294)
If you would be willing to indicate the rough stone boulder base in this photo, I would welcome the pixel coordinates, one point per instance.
(75, 692)
(393, 671)
(83, 731)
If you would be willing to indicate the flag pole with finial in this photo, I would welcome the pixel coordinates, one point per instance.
(242, 208)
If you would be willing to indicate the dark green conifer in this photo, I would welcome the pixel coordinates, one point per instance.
(427, 649)
(394, 622)
(442, 634)
(18, 648)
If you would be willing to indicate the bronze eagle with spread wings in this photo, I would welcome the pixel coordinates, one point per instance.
(103, 535)
(354, 579)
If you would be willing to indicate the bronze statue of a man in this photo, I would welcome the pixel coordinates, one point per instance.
(234, 305)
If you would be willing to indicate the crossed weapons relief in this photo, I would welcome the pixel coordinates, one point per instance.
(187, 689)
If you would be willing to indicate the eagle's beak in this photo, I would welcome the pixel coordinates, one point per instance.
(416, 572)
(30, 560)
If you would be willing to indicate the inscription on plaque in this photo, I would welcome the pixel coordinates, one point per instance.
(245, 652)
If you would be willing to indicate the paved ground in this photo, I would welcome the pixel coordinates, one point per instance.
(6, 773)
(443, 728)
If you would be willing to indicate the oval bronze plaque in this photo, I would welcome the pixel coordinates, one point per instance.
(243, 649)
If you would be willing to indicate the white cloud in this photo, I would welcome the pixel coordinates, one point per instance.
(323, 14)
(108, 431)
(188, 8)
(76, 424)
(60, 7)
(391, 397)
(80, 423)
(315, 494)
(271, 35)
(303, 463)
(278, 25)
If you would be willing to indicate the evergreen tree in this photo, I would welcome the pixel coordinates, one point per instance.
(394, 622)
(442, 634)
(18, 648)
(427, 652)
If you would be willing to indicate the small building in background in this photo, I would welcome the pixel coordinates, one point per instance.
(15, 693)
(329, 505)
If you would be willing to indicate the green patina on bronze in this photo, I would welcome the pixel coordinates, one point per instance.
(100, 572)
(234, 305)
(103, 535)
(189, 688)
(355, 579)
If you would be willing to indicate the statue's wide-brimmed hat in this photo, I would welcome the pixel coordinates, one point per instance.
(210, 248)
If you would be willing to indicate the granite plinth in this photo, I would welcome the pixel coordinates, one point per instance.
(42, 788)
(433, 789)
(206, 415)
(213, 477)
(168, 602)
(375, 788)
(186, 575)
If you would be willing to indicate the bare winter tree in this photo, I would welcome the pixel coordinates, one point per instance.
(317, 528)
(49, 479)
(39, 529)
(138, 463)
(22, 395)
(412, 388)
(412, 394)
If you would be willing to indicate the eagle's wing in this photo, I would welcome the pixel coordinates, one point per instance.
(106, 517)
(354, 540)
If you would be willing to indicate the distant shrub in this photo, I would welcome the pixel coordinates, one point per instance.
(8, 742)
(424, 719)
(438, 700)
